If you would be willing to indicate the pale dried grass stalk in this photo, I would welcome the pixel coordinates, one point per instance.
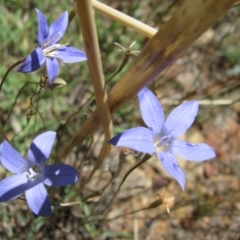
(126, 20)
(85, 14)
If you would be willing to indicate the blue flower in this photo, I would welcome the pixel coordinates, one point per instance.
(48, 50)
(30, 176)
(160, 136)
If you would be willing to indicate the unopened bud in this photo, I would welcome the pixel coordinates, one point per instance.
(58, 83)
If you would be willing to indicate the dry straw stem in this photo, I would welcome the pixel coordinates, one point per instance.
(88, 28)
(126, 20)
(190, 20)
(206, 102)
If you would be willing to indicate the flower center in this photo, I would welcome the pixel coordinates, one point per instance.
(49, 48)
(161, 143)
(33, 173)
(49, 51)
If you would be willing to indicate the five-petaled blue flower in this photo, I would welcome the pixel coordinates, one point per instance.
(48, 50)
(30, 176)
(160, 137)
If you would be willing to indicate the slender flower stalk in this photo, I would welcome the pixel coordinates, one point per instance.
(30, 176)
(49, 51)
(160, 137)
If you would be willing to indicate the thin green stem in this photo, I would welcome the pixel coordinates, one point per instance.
(16, 98)
(1, 130)
(8, 71)
(143, 160)
(35, 108)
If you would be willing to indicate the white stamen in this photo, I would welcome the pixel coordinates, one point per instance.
(49, 51)
(161, 143)
(33, 173)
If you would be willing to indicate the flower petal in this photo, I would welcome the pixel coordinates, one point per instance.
(191, 151)
(33, 62)
(151, 110)
(41, 147)
(52, 69)
(169, 162)
(70, 55)
(38, 201)
(13, 186)
(138, 138)
(11, 159)
(59, 175)
(57, 29)
(180, 119)
(42, 27)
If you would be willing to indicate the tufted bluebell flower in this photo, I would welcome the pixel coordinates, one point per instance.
(160, 136)
(48, 50)
(30, 176)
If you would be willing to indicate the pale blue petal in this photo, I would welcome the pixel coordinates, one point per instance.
(138, 138)
(11, 159)
(38, 201)
(52, 69)
(169, 163)
(13, 186)
(70, 54)
(151, 110)
(33, 62)
(59, 175)
(57, 29)
(180, 119)
(42, 27)
(41, 147)
(191, 151)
